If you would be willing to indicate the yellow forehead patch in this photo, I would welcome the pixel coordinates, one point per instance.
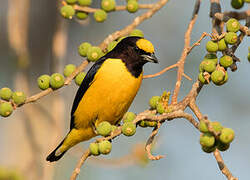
(145, 45)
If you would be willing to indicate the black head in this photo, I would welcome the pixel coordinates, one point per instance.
(134, 52)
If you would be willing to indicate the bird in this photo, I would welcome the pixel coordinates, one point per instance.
(107, 91)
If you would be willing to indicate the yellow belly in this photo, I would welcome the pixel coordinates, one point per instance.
(109, 96)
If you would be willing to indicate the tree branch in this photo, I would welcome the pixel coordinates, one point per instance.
(117, 8)
(222, 166)
(185, 52)
(149, 143)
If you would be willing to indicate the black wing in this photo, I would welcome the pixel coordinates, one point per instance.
(84, 86)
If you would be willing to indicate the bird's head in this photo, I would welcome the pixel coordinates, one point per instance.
(134, 52)
(138, 48)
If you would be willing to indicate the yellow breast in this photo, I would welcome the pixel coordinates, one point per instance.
(109, 95)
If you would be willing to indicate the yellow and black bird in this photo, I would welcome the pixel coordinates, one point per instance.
(107, 91)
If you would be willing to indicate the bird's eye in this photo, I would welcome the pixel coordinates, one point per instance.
(136, 48)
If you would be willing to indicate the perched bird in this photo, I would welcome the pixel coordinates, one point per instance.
(107, 91)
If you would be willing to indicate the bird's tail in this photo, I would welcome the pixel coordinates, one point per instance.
(73, 137)
(55, 156)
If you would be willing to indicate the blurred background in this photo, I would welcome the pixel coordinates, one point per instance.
(36, 40)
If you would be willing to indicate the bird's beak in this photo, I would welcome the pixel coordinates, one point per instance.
(150, 58)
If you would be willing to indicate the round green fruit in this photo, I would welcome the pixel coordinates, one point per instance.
(128, 129)
(94, 53)
(79, 78)
(56, 80)
(108, 5)
(208, 65)
(100, 15)
(18, 97)
(217, 127)
(94, 149)
(160, 108)
(207, 140)
(137, 32)
(233, 25)
(231, 38)
(208, 149)
(84, 2)
(248, 57)
(67, 11)
(71, 1)
(201, 68)
(227, 135)
(222, 46)
(202, 79)
(83, 49)
(217, 77)
(113, 128)
(104, 128)
(132, 6)
(225, 79)
(112, 45)
(212, 46)
(5, 109)
(43, 82)
(203, 127)
(81, 15)
(5, 93)
(69, 69)
(153, 102)
(105, 147)
(129, 117)
(222, 147)
(237, 4)
(226, 61)
(211, 56)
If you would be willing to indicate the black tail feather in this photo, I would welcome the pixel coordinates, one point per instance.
(52, 156)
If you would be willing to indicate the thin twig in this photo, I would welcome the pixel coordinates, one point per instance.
(197, 43)
(193, 106)
(187, 77)
(191, 119)
(210, 127)
(185, 52)
(77, 170)
(161, 72)
(117, 8)
(165, 70)
(223, 166)
(149, 143)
